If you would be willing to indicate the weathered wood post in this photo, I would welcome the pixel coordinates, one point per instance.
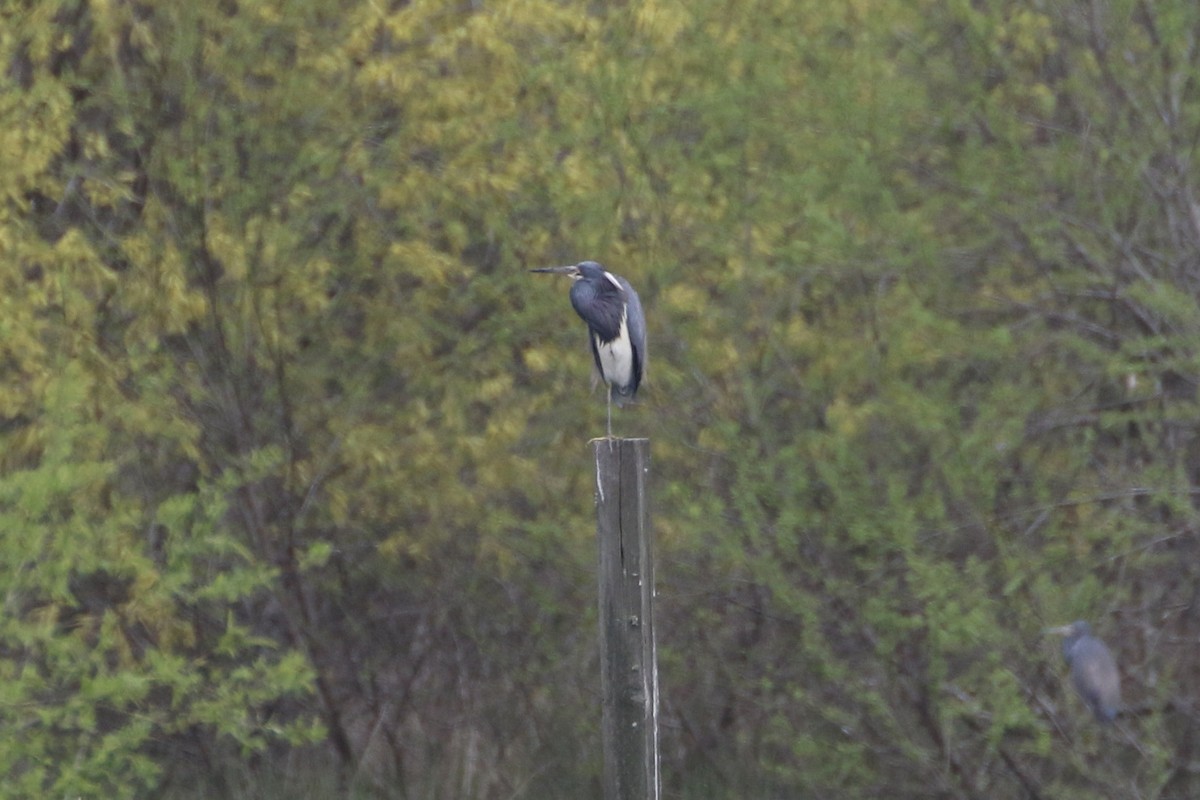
(628, 659)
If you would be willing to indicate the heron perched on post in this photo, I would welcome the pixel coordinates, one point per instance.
(616, 327)
(1093, 670)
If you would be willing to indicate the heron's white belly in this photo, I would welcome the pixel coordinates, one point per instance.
(616, 358)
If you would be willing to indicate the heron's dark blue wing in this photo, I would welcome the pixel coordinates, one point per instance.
(1096, 677)
(601, 310)
(600, 306)
(636, 322)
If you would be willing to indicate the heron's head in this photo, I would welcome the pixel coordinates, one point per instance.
(1076, 628)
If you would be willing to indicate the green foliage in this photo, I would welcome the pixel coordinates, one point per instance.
(103, 633)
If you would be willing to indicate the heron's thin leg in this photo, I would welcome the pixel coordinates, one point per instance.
(609, 405)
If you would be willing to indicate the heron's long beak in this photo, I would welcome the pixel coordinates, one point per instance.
(1059, 630)
(570, 270)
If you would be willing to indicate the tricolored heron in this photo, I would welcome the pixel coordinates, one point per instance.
(616, 327)
(1093, 670)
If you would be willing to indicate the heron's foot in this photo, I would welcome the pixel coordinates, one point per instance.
(608, 438)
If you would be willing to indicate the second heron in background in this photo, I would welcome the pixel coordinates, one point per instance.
(1093, 670)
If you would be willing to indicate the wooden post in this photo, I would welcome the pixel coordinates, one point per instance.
(628, 659)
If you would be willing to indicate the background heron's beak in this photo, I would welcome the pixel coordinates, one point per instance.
(1060, 630)
(570, 270)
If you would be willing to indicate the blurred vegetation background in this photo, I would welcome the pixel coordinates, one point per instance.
(294, 485)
